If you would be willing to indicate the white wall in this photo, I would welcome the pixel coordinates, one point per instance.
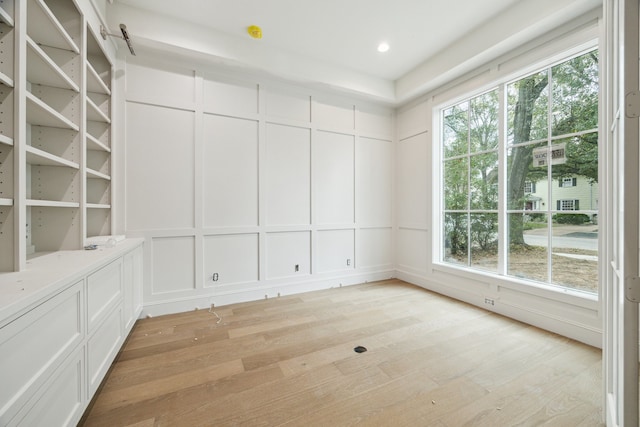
(275, 189)
(552, 309)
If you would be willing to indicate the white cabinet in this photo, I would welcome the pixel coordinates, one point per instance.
(104, 290)
(102, 348)
(62, 323)
(60, 401)
(55, 129)
(35, 344)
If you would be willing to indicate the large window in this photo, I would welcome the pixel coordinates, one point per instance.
(506, 194)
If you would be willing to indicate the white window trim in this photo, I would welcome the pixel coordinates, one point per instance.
(530, 185)
(437, 254)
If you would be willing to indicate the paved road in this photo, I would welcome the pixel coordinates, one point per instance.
(563, 241)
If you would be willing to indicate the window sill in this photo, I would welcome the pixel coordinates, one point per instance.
(556, 293)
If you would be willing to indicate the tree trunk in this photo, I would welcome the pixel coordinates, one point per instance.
(521, 158)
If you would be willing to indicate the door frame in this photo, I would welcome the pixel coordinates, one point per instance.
(621, 289)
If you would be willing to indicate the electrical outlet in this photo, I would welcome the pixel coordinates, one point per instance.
(489, 301)
(215, 277)
(297, 267)
(348, 261)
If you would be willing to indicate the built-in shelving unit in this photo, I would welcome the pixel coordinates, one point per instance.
(99, 73)
(8, 217)
(55, 190)
(53, 119)
(55, 129)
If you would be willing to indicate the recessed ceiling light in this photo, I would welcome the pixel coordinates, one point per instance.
(383, 47)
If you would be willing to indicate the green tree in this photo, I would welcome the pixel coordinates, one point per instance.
(470, 139)
(521, 159)
(471, 176)
(574, 106)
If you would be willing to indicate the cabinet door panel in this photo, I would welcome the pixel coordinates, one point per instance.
(104, 289)
(60, 402)
(102, 348)
(32, 346)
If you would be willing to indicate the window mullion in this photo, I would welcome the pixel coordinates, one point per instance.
(502, 180)
(549, 177)
(469, 185)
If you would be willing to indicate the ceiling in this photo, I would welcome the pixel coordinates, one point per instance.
(345, 33)
(334, 42)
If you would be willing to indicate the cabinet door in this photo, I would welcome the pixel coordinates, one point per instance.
(103, 347)
(33, 346)
(60, 402)
(104, 290)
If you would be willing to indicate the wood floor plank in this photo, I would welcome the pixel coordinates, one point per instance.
(286, 352)
(112, 398)
(290, 360)
(169, 408)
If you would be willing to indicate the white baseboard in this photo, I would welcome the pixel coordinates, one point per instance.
(566, 326)
(181, 305)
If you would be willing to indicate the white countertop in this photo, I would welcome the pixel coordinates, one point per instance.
(47, 274)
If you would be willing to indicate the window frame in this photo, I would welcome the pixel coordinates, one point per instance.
(531, 185)
(500, 84)
(561, 205)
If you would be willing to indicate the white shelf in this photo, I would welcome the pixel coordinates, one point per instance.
(5, 17)
(35, 156)
(97, 206)
(42, 70)
(6, 202)
(6, 80)
(95, 114)
(6, 140)
(94, 81)
(52, 204)
(44, 27)
(94, 144)
(93, 174)
(39, 113)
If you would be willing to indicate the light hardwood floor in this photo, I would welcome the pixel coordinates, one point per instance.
(290, 361)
